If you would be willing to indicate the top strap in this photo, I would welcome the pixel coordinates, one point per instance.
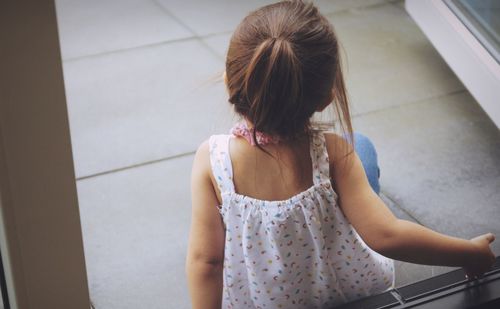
(319, 158)
(220, 162)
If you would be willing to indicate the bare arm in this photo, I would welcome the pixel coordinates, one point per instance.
(206, 240)
(392, 237)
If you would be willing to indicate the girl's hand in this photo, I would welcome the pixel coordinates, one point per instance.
(483, 257)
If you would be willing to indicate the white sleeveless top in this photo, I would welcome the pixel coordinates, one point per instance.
(297, 253)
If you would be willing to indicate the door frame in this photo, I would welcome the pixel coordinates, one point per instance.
(40, 231)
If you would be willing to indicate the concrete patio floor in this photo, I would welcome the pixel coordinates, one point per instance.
(141, 96)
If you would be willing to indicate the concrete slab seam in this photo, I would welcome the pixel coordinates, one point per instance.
(180, 22)
(400, 207)
(185, 154)
(421, 101)
(362, 7)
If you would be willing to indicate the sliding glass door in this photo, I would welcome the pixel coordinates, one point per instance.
(467, 35)
(482, 19)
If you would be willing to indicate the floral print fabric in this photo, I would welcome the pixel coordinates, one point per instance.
(297, 253)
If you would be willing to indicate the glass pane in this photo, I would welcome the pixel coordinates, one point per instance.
(482, 18)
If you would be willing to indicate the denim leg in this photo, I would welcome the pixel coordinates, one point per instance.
(368, 155)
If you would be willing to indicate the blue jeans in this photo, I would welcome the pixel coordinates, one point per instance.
(368, 155)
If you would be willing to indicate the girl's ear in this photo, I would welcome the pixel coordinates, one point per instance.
(224, 77)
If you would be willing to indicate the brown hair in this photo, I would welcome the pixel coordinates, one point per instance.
(282, 65)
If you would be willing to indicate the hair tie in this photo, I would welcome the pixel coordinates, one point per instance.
(241, 129)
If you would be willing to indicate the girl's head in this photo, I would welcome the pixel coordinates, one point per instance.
(282, 66)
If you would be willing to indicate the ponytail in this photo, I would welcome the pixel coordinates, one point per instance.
(272, 87)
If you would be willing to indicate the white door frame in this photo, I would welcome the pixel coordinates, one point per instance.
(40, 232)
(467, 57)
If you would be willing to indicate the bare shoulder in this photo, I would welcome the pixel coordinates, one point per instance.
(202, 169)
(202, 157)
(203, 147)
(338, 147)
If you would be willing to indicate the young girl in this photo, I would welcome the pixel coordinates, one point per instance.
(283, 215)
